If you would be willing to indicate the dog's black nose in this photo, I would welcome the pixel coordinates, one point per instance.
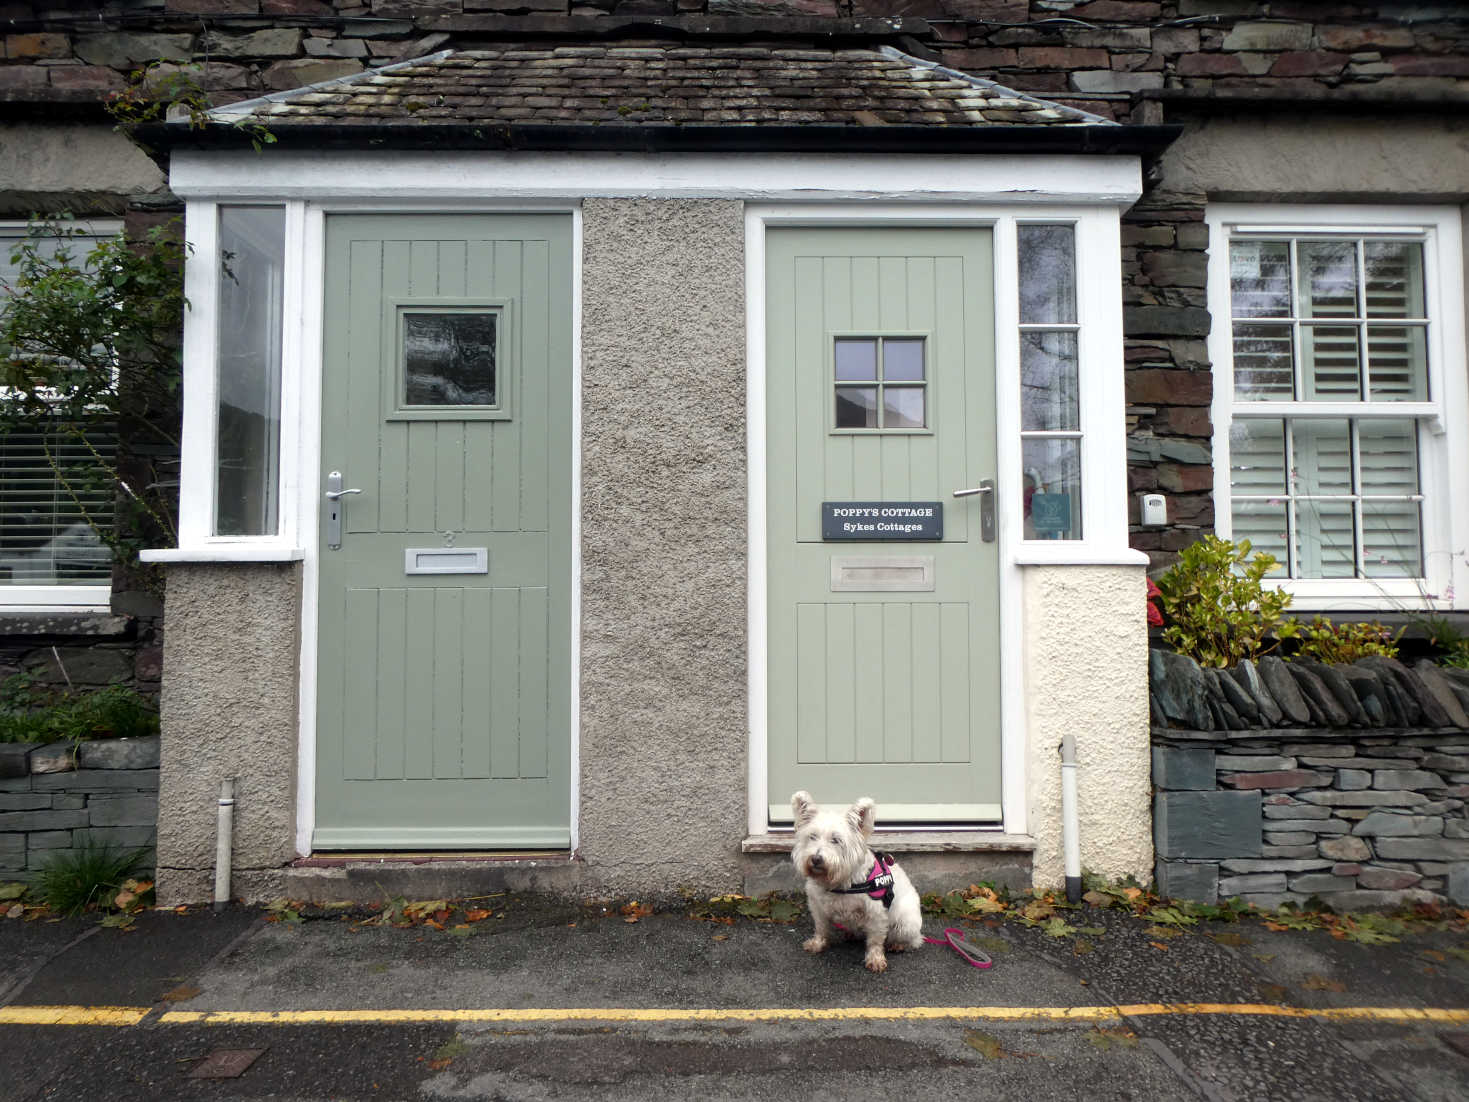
(817, 863)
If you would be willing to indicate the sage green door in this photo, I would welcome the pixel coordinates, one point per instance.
(883, 675)
(443, 668)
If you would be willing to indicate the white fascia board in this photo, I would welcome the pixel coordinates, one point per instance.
(458, 175)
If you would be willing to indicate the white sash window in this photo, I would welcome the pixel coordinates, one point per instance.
(1339, 397)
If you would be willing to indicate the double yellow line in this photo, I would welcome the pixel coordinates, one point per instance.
(133, 1015)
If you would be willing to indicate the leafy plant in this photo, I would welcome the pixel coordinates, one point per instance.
(113, 712)
(1452, 644)
(89, 876)
(1216, 605)
(1343, 643)
(165, 91)
(89, 340)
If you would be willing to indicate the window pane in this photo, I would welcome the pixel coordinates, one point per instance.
(1397, 363)
(1264, 363)
(1328, 279)
(1394, 279)
(1047, 275)
(1392, 539)
(1048, 381)
(902, 407)
(252, 252)
(1326, 544)
(857, 360)
(49, 485)
(1321, 462)
(1257, 457)
(1333, 366)
(902, 360)
(1259, 279)
(856, 407)
(449, 359)
(1389, 451)
(1051, 489)
(1264, 524)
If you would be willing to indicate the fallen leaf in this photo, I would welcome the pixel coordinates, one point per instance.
(720, 937)
(1228, 937)
(14, 890)
(477, 914)
(15, 911)
(439, 1065)
(1321, 983)
(984, 1044)
(180, 993)
(1159, 945)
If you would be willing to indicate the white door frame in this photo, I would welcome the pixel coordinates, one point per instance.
(1101, 393)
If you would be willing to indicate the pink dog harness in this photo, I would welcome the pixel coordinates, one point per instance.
(879, 882)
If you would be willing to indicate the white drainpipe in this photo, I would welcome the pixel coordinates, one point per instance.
(224, 843)
(1070, 826)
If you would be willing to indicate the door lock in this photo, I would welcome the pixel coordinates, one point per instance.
(986, 492)
(334, 495)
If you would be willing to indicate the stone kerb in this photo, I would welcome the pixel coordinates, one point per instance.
(1281, 781)
(57, 797)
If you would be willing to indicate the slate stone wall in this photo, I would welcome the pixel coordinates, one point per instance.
(56, 797)
(1287, 780)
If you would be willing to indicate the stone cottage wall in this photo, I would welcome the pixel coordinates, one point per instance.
(1290, 780)
(60, 796)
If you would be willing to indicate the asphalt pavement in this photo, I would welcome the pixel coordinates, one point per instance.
(536, 999)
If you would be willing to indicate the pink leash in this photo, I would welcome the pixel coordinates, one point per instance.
(953, 937)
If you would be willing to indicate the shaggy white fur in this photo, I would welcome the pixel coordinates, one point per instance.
(832, 852)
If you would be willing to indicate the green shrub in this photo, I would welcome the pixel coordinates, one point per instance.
(1217, 610)
(1327, 642)
(88, 876)
(30, 714)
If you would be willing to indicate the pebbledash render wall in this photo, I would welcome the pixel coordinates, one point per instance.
(1086, 653)
(229, 711)
(664, 719)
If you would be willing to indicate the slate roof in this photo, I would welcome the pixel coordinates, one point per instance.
(661, 85)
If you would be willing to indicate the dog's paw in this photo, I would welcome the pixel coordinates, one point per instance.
(815, 944)
(876, 962)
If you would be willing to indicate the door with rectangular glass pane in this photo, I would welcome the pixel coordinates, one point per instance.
(443, 676)
(883, 669)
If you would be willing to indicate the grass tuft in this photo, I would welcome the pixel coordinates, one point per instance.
(86, 876)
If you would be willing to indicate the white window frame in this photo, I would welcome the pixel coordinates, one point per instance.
(198, 483)
(1444, 419)
(52, 598)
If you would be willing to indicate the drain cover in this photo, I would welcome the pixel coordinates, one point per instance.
(226, 1063)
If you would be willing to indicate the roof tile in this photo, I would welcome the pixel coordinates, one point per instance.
(668, 85)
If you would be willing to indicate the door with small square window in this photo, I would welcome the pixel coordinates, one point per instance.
(883, 670)
(443, 666)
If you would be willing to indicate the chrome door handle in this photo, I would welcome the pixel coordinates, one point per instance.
(986, 488)
(334, 495)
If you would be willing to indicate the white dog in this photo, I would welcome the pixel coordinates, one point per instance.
(845, 883)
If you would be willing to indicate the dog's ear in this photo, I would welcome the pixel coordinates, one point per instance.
(862, 816)
(804, 807)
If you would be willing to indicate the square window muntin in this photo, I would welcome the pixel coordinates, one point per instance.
(881, 382)
(1441, 499)
(396, 408)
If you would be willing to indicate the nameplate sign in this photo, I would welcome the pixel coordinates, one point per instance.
(882, 520)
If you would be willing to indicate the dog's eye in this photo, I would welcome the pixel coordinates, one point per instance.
(836, 839)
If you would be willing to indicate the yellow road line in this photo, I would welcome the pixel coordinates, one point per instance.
(1436, 1015)
(133, 1015)
(72, 1015)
